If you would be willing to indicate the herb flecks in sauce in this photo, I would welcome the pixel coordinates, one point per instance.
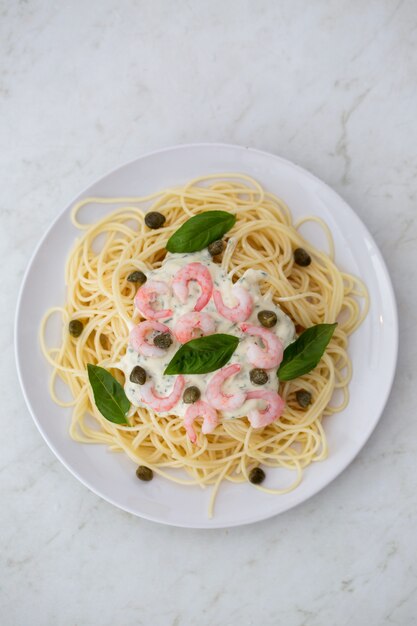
(155, 367)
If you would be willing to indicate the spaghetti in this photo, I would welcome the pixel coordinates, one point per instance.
(99, 295)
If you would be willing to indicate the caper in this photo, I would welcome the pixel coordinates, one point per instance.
(191, 395)
(144, 473)
(75, 328)
(258, 376)
(257, 476)
(302, 257)
(216, 247)
(138, 375)
(137, 277)
(154, 219)
(104, 342)
(267, 318)
(303, 398)
(163, 340)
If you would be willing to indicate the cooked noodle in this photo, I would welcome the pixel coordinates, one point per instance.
(99, 295)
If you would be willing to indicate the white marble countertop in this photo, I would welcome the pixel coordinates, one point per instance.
(85, 86)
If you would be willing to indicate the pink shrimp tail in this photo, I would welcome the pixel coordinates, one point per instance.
(147, 294)
(220, 400)
(274, 407)
(199, 273)
(273, 353)
(204, 410)
(194, 321)
(138, 334)
(243, 308)
(161, 403)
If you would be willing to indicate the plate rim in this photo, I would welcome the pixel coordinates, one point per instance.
(210, 524)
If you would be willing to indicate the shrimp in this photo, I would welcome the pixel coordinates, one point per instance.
(272, 355)
(222, 401)
(138, 336)
(204, 410)
(274, 407)
(147, 294)
(190, 322)
(160, 403)
(243, 308)
(199, 273)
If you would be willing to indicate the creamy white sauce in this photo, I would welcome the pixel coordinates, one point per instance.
(163, 384)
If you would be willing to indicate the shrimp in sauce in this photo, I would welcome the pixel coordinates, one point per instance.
(192, 325)
(199, 273)
(274, 407)
(138, 338)
(220, 400)
(147, 295)
(241, 311)
(204, 410)
(159, 403)
(272, 355)
(186, 296)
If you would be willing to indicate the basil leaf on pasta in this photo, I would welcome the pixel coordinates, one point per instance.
(203, 355)
(200, 230)
(109, 395)
(304, 354)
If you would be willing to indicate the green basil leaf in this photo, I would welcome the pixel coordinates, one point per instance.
(301, 356)
(203, 355)
(109, 395)
(200, 231)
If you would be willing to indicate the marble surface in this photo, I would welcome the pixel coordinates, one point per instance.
(331, 85)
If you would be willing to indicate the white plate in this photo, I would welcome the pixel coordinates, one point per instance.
(373, 348)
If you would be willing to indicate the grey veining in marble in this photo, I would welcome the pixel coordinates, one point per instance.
(331, 85)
